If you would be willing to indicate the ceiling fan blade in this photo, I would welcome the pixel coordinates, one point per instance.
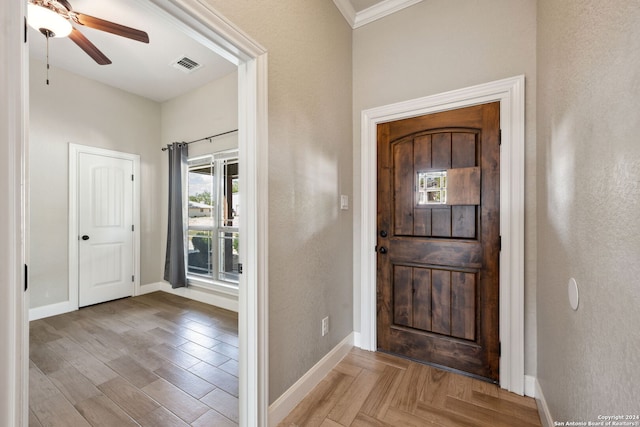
(112, 27)
(90, 49)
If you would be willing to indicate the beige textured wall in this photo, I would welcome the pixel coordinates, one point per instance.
(588, 204)
(441, 45)
(310, 165)
(75, 109)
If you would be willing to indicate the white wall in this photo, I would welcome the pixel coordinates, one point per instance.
(206, 111)
(75, 109)
(588, 204)
(310, 148)
(441, 45)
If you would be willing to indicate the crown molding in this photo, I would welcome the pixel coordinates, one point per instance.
(346, 8)
(380, 10)
(373, 13)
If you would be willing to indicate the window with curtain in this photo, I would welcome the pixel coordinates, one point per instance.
(214, 209)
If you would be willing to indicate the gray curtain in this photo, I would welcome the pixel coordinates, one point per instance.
(175, 271)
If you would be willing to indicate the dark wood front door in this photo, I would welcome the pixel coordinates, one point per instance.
(438, 239)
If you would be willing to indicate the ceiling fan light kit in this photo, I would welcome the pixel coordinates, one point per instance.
(48, 22)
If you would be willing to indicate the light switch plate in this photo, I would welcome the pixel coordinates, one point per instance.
(344, 202)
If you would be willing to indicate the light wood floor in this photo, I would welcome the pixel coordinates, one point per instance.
(154, 360)
(376, 389)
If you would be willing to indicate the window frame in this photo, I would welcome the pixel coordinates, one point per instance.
(217, 161)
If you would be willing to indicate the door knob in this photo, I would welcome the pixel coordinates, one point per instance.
(383, 233)
(85, 237)
(382, 250)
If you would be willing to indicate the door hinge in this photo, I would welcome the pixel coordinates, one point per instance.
(131, 177)
(500, 243)
(499, 349)
(239, 268)
(133, 278)
(132, 227)
(500, 137)
(26, 277)
(25, 29)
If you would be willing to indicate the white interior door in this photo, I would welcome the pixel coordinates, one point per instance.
(105, 228)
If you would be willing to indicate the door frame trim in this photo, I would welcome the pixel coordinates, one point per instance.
(510, 93)
(251, 58)
(74, 246)
(14, 217)
(204, 23)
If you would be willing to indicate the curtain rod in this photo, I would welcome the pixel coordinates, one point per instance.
(207, 138)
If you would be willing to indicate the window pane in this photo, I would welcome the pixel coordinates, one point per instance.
(228, 261)
(201, 216)
(201, 196)
(431, 188)
(200, 245)
(228, 234)
(229, 197)
(214, 205)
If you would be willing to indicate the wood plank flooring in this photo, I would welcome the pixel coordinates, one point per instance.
(377, 389)
(155, 360)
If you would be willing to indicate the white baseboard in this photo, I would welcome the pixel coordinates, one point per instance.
(148, 288)
(357, 340)
(51, 310)
(294, 395)
(228, 302)
(530, 385)
(543, 409)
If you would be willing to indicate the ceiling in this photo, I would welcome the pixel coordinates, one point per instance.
(143, 69)
(148, 69)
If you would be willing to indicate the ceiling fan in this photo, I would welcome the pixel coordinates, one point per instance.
(54, 18)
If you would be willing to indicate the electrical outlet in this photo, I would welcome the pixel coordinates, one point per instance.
(325, 326)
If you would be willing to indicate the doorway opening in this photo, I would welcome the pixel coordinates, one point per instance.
(104, 210)
(438, 239)
(250, 59)
(510, 93)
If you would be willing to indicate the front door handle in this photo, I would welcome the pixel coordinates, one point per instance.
(382, 250)
(85, 237)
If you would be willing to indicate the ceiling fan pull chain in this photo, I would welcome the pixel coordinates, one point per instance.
(47, 37)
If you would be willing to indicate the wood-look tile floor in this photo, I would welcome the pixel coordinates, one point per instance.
(154, 360)
(377, 389)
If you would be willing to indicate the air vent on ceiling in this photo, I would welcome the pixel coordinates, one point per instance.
(186, 64)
